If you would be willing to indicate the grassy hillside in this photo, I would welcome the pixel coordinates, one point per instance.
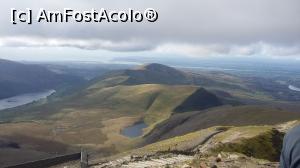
(223, 84)
(92, 118)
(178, 143)
(94, 115)
(257, 146)
(262, 142)
(154, 101)
(201, 99)
(161, 74)
(156, 73)
(246, 90)
(180, 124)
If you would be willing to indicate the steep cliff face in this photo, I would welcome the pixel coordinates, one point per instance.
(201, 99)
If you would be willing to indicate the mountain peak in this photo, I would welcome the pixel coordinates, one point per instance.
(155, 73)
(156, 67)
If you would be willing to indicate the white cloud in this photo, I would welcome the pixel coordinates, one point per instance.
(89, 44)
(256, 49)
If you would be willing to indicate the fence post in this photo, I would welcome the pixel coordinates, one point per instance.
(84, 159)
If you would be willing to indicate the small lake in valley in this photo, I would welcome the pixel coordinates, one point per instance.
(134, 130)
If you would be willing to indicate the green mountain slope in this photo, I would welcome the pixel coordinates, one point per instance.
(222, 84)
(160, 74)
(112, 92)
(181, 124)
(92, 118)
(171, 102)
(221, 146)
(102, 109)
(156, 73)
(201, 99)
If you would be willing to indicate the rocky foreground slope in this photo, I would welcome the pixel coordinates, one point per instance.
(246, 146)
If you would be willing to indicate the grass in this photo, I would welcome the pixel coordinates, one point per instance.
(187, 122)
(237, 133)
(178, 143)
(262, 142)
(112, 81)
(166, 102)
(249, 140)
(266, 145)
(94, 117)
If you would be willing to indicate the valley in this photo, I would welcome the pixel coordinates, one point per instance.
(124, 110)
(134, 130)
(161, 84)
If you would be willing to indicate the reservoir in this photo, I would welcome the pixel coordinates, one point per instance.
(294, 88)
(23, 99)
(134, 130)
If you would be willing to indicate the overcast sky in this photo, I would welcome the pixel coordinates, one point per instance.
(192, 28)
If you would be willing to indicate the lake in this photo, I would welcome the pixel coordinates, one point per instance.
(294, 88)
(134, 130)
(23, 99)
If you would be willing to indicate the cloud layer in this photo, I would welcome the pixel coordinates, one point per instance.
(195, 28)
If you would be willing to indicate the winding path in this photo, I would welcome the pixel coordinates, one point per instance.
(159, 161)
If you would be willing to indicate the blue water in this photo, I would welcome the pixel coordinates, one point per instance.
(135, 130)
(23, 99)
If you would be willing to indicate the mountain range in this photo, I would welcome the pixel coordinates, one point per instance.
(171, 102)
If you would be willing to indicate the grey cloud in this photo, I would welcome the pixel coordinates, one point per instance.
(214, 26)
